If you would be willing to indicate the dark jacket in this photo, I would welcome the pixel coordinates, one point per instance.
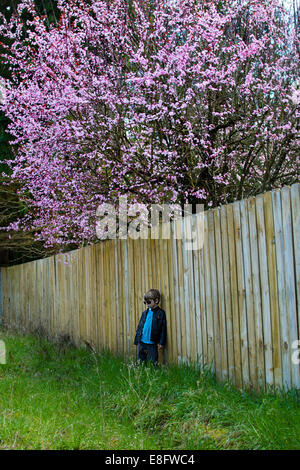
(159, 327)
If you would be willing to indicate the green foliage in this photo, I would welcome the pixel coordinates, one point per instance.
(54, 396)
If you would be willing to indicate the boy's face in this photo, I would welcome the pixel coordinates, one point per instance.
(151, 303)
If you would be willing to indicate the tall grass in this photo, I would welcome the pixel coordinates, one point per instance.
(54, 396)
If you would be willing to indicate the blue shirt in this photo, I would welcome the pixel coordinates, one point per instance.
(146, 335)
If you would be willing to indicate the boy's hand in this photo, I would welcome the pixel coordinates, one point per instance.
(160, 346)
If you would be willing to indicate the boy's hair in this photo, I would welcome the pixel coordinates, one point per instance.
(152, 294)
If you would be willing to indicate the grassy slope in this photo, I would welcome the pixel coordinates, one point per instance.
(58, 397)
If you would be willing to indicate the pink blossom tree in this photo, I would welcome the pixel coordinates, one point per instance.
(162, 101)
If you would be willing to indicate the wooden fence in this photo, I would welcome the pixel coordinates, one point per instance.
(233, 304)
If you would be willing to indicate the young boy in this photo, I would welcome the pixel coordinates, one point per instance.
(151, 332)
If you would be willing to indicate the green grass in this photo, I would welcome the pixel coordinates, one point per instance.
(54, 396)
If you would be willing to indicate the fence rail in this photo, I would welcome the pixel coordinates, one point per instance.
(235, 304)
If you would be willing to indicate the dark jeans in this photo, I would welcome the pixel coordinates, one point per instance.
(147, 352)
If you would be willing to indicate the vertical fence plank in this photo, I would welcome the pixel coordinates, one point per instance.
(20, 302)
(51, 293)
(70, 298)
(177, 292)
(75, 307)
(227, 295)
(265, 291)
(221, 294)
(84, 294)
(57, 296)
(106, 291)
(182, 325)
(120, 301)
(100, 297)
(4, 303)
(64, 296)
(208, 298)
(107, 296)
(295, 201)
(271, 255)
(241, 295)
(4, 290)
(214, 293)
(32, 297)
(196, 230)
(289, 270)
(88, 307)
(126, 281)
(150, 261)
(164, 289)
(234, 296)
(114, 286)
(156, 261)
(171, 312)
(94, 324)
(17, 306)
(17, 311)
(45, 307)
(249, 293)
(93, 285)
(39, 292)
(255, 273)
(14, 309)
(133, 315)
(203, 307)
(9, 299)
(6, 296)
(191, 284)
(282, 308)
(188, 290)
(10, 310)
(138, 289)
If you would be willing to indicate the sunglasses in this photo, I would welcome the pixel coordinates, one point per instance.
(148, 302)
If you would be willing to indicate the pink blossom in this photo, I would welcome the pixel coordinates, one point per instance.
(185, 102)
